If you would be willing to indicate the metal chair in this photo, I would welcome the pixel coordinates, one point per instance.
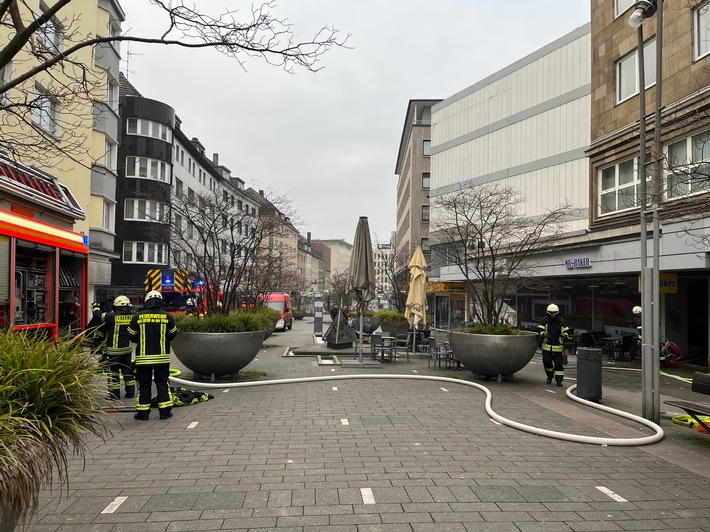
(626, 345)
(439, 352)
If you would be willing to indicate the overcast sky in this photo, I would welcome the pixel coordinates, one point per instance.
(329, 140)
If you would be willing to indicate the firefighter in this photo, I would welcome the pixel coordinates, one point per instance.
(637, 319)
(192, 309)
(118, 348)
(93, 335)
(152, 329)
(553, 332)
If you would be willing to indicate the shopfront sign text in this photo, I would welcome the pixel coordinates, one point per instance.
(580, 262)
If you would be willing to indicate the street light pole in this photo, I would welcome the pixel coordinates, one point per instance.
(650, 296)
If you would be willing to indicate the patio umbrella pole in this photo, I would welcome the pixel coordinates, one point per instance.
(360, 342)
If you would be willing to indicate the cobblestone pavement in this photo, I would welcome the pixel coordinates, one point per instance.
(387, 455)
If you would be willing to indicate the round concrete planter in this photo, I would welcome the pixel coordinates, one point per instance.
(492, 355)
(299, 314)
(217, 354)
(7, 518)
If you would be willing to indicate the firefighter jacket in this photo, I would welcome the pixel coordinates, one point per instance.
(553, 333)
(114, 326)
(152, 330)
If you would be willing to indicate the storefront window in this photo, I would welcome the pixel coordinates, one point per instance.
(5, 281)
(32, 301)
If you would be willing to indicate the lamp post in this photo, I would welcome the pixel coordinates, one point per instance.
(650, 294)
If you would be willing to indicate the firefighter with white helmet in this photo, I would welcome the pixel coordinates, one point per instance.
(153, 328)
(553, 332)
(118, 348)
(636, 311)
(192, 309)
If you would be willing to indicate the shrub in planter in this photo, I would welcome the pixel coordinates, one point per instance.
(392, 321)
(221, 344)
(49, 403)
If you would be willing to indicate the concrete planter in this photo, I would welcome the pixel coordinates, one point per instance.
(217, 354)
(299, 314)
(491, 355)
(7, 518)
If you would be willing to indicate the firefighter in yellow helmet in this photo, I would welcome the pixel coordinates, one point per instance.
(118, 348)
(553, 332)
(152, 329)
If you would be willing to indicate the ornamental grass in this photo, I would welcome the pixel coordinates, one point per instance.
(49, 403)
(236, 321)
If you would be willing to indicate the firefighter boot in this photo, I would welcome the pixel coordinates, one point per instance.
(142, 415)
(165, 413)
(130, 392)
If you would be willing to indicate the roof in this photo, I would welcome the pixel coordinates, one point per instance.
(38, 187)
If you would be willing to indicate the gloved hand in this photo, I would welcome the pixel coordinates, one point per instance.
(95, 306)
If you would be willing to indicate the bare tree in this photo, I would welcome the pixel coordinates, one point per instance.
(44, 44)
(225, 247)
(397, 284)
(482, 231)
(339, 295)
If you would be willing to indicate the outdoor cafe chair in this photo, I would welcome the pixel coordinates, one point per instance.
(439, 352)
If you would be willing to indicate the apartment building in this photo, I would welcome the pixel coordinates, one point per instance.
(681, 193)
(71, 130)
(414, 182)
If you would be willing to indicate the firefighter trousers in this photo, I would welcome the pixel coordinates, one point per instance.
(146, 374)
(552, 362)
(120, 366)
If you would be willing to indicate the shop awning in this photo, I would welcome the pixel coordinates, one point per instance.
(42, 233)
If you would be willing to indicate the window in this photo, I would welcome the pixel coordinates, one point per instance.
(109, 155)
(689, 162)
(112, 93)
(148, 128)
(178, 188)
(45, 111)
(144, 167)
(627, 72)
(701, 19)
(622, 5)
(619, 187)
(425, 213)
(49, 35)
(239, 205)
(425, 245)
(426, 148)
(5, 76)
(145, 252)
(145, 209)
(108, 218)
(426, 177)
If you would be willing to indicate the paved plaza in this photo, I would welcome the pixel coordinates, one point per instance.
(388, 455)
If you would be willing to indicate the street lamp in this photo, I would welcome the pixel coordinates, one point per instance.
(650, 293)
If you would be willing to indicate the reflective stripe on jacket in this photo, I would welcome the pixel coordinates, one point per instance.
(152, 330)
(554, 333)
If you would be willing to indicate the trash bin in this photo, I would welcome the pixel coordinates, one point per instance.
(589, 373)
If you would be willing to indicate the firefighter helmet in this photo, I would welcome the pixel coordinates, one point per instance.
(636, 310)
(553, 309)
(153, 299)
(190, 302)
(121, 301)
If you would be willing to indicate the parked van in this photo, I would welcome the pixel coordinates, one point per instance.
(282, 303)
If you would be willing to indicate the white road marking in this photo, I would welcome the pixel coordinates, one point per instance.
(225, 391)
(192, 425)
(444, 390)
(414, 371)
(344, 422)
(113, 506)
(607, 491)
(332, 370)
(335, 388)
(367, 496)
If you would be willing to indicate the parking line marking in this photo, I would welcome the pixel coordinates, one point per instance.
(335, 388)
(192, 425)
(367, 496)
(607, 491)
(344, 422)
(225, 391)
(113, 506)
(444, 390)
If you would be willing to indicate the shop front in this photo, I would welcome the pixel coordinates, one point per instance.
(446, 305)
(43, 263)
